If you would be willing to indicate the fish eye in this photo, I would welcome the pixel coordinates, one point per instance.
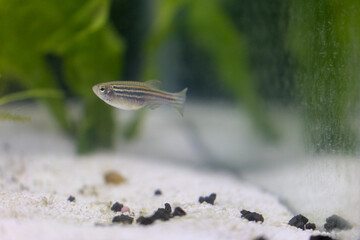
(102, 89)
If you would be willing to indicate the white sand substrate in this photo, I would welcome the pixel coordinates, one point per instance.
(39, 170)
(34, 202)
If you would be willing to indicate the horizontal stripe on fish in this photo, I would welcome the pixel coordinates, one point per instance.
(148, 92)
(142, 94)
(145, 97)
(145, 88)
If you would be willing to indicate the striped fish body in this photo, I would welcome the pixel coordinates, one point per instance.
(130, 95)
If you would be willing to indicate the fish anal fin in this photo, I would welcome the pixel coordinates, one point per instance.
(180, 109)
(154, 105)
(179, 105)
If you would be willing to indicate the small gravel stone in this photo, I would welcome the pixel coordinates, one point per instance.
(116, 207)
(336, 222)
(179, 212)
(113, 177)
(163, 213)
(145, 220)
(71, 198)
(168, 207)
(311, 226)
(320, 237)
(252, 216)
(260, 238)
(298, 221)
(158, 192)
(125, 209)
(123, 219)
(210, 199)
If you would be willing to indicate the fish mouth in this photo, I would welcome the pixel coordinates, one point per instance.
(95, 89)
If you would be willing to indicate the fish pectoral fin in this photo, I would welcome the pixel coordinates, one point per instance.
(153, 83)
(154, 105)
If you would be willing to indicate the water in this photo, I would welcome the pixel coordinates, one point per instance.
(273, 89)
(300, 89)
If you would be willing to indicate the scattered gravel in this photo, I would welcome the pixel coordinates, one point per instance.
(157, 192)
(163, 214)
(336, 222)
(321, 237)
(179, 212)
(71, 198)
(209, 199)
(114, 177)
(252, 216)
(116, 207)
(123, 219)
(298, 221)
(311, 226)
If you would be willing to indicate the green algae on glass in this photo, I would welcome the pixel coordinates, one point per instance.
(264, 25)
(325, 38)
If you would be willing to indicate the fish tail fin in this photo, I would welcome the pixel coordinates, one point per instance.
(180, 101)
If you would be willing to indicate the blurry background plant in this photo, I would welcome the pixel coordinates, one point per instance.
(36, 93)
(257, 53)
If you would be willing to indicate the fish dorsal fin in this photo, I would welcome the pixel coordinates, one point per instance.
(153, 83)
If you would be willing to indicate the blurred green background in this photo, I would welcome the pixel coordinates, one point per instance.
(300, 54)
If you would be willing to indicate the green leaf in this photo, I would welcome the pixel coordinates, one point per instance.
(95, 59)
(11, 117)
(90, 61)
(96, 129)
(35, 93)
(88, 18)
(162, 28)
(31, 29)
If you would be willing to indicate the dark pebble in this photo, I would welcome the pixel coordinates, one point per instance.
(145, 220)
(168, 207)
(210, 199)
(158, 192)
(260, 238)
(298, 221)
(163, 213)
(71, 198)
(336, 222)
(123, 219)
(320, 237)
(116, 207)
(179, 212)
(311, 226)
(252, 216)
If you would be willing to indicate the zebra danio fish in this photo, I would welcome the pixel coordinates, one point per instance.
(131, 95)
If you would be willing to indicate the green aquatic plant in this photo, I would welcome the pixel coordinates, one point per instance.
(35, 93)
(210, 29)
(68, 45)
